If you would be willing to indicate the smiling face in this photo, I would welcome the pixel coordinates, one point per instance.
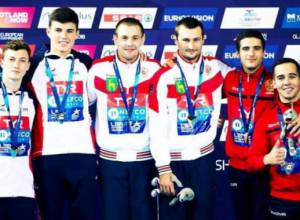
(189, 43)
(251, 54)
(15, 64)
(62, 37)
(128, 40)
(287, 82)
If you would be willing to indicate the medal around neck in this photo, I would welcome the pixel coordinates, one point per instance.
(288, 167)
(289, 115)
(191, 120)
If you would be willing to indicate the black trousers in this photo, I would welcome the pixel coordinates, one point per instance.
(16, 208)
(250, 194)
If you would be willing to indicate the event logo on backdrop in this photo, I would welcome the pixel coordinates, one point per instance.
(109, 50)
(246, 18)
(230, 55)
(292, 51)
(172, 15)
(11, 36)
(111, 16)
(86, 16)
(291, 18)
(16, 17)
(170, 50)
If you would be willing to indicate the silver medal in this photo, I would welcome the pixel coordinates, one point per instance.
(289, 115)
(288, 167)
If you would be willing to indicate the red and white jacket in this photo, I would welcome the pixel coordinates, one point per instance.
(171, 133)
(115, 142)
(266, 133)
(235, 151)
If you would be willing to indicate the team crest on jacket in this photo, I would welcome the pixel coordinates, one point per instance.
(145, 72)
(269, 85)
(179, 86)
(208, 70)
(111, 84)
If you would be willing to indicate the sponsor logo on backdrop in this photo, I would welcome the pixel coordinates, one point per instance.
(291, 18)
(172, 15)
(292, 51)
(296, 36)
(111, 16)
(245, 18)
(170, 50)
(221, 164)
(85, 14)
(11, 36)
(230, 55)
(31, 46)
(87, 49)
(16, 17)
(109, 50)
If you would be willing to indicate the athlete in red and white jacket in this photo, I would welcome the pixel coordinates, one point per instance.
(122, 84)
(171, 126)
(275, 148)
(117, 139)
(187, 106)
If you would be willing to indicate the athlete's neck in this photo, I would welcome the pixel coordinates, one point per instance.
(127, 61)
(61, 54)
(250, 71)
(190, 61)
(12, 84)
(292, 100)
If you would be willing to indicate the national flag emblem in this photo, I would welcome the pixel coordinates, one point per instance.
(111, 84)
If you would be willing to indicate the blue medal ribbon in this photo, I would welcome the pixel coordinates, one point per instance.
(247, 121)
(14, 130)
(60, 104)
(130, 107)
(191, 106)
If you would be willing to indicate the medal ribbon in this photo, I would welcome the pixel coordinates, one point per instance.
(60, 105)
(14, 130)
(246, 121)
(130, 107)
(191, 106)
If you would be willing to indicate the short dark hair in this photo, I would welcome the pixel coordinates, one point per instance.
(286, 60)
(190, 23)
(130, 22)
(16, 45)
(247, 34)
(64, 15)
